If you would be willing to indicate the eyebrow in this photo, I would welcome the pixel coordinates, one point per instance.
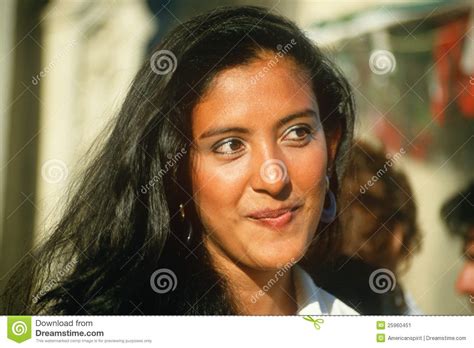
(241, 130)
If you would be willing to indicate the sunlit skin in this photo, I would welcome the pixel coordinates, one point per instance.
(228, 185)
(465, 280)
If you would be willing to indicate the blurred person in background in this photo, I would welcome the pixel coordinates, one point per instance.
(380, 235)
(458, 213)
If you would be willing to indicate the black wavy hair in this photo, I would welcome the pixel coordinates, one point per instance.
(458, 212)
(122, 220)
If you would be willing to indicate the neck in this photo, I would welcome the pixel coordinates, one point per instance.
(257, 292)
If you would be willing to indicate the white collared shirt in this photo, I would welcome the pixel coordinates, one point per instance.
(312, 300)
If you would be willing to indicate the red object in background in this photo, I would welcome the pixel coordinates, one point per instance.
(421, 145)
(466, 99)
(389, 135)
(453, 83)
(393, 140)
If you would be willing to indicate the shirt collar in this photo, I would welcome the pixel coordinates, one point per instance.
(312, 300)
(306, 292)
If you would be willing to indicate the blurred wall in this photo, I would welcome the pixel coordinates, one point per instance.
(20, 131)
(434, 270)
(7, 30)
(92, 50)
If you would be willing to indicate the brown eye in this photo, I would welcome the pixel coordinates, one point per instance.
(298, 134)
(229, 147)
(301, 132)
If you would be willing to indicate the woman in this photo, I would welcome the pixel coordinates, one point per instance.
(218, 177)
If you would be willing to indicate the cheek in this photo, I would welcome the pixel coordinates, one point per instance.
(465, 281)
(216, 188)
(308, 168)
(308, 177)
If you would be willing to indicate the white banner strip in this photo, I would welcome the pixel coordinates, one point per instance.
(238, 331)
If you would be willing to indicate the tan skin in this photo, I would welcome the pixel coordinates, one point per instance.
(228, 184)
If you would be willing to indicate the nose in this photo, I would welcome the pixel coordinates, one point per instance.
(465, 281)
(269, 171)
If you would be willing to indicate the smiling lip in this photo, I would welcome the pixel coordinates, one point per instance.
(274, 218)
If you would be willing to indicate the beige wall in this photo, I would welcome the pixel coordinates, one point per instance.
(92, 50)
(7, 30)
(433, 273)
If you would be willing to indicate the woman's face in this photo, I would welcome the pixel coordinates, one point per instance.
(259, 164)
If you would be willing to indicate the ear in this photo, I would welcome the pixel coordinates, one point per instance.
(333, 140)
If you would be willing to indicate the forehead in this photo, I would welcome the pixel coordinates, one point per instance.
(255, 92)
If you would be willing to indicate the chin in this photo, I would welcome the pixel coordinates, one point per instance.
(276, 258)
(274, 253)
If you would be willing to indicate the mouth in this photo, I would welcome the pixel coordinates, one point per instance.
(274, 218)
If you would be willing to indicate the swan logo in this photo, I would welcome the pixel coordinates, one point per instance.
(19, 328)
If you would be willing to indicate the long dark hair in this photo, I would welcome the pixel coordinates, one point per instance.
(123, 222)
